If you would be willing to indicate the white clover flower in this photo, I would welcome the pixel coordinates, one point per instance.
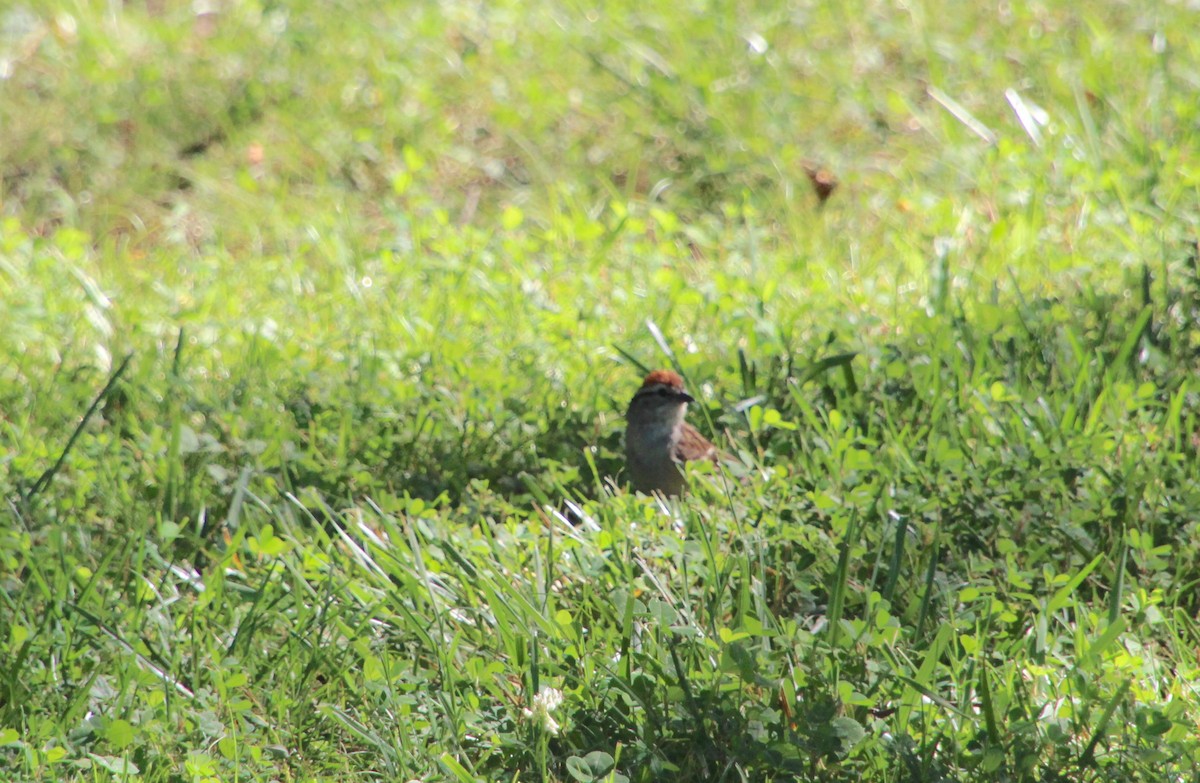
(546, 702)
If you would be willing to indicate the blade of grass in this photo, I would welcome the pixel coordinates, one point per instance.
(48, 476)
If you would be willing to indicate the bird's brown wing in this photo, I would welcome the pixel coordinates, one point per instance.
(693, 446)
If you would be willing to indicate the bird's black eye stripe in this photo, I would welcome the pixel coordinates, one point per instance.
(663, 392)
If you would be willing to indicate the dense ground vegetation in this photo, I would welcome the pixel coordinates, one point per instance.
(320, 319)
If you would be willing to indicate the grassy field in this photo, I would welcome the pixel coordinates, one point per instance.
(320, 322)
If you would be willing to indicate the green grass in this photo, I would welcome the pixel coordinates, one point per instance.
(321, 319)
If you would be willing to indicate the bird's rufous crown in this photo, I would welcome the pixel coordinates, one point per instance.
(665, 377)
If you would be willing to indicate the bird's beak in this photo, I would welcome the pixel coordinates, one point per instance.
(686, 397)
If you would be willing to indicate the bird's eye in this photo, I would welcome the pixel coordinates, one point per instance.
(663, 392)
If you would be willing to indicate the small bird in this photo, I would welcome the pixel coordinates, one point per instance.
(657, 439)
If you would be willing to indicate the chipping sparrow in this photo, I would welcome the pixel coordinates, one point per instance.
(657, 439)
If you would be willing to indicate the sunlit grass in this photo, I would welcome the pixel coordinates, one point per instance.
(382, 277)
